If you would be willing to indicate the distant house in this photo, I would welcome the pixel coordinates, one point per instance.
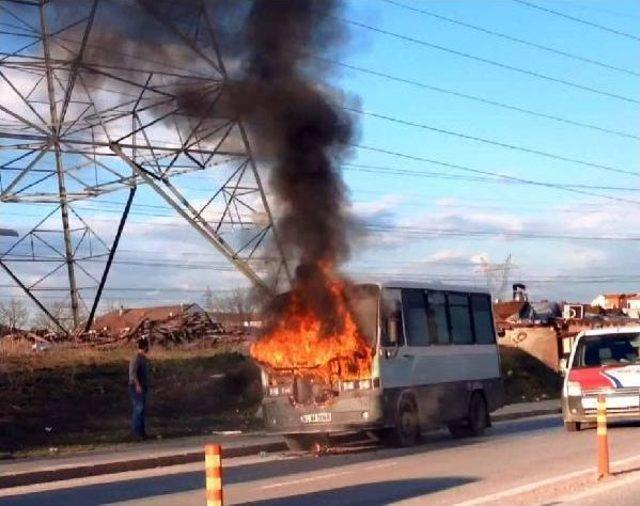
(129, 319)
(512, 311)
(612, 300)
(545, 311)
(237, 322)
(525, 311)
(632, 310)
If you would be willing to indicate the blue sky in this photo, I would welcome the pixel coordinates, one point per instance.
(530, 208)
(420, 212)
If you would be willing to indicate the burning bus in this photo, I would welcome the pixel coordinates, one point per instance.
(395, 358)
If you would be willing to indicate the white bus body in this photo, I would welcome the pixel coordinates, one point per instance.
(435, 362)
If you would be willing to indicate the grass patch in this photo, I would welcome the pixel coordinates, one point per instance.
(71, 397)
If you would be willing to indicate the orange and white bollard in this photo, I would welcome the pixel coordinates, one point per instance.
(603, 439)
(213, 471)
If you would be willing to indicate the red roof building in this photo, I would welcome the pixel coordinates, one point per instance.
(123, 319)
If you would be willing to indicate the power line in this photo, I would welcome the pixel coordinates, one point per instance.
(488, 173)
(423, 232)
(492, 142)
(426, 86)
(512, 39)
(377, 169)
(487, 61)
(389, 229)
(579, 20)
(474, 98)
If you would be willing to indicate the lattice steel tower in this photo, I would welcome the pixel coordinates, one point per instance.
(74, 128)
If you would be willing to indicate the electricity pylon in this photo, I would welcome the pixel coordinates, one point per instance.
(81, 120)
(497, 275)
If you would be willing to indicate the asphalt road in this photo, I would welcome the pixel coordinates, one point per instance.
(513, 459)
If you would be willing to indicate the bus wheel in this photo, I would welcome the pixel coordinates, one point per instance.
(406, 431)
(476, 421)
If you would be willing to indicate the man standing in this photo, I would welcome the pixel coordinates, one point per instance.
(138, 384)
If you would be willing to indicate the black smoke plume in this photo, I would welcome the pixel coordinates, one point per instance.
(283, 98)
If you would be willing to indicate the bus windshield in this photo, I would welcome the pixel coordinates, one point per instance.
(363, 301)
(607, 349)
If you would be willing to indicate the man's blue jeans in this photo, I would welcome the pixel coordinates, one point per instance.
(138, 401)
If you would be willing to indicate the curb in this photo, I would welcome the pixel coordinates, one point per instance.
(528, 414)
(121, 466)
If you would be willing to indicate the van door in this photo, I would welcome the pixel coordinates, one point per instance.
(393, 359)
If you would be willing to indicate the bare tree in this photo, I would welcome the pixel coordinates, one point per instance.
(62, 312)
(235, 308)
(14, 314)
(239, 301)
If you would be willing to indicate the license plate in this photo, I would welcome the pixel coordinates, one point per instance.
(316, 418)
(613, 402)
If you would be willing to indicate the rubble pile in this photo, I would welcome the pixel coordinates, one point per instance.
(170, 326)
(174, 330)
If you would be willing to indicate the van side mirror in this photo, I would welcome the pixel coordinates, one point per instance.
(563, 366)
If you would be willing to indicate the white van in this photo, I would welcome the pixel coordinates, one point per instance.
(602, 361)
(435, 362)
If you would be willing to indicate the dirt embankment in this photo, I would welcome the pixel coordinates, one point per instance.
(53, 399)
(526, 378)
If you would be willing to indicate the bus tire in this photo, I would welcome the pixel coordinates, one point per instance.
(477, 419)
(406, 430)
(572, 426)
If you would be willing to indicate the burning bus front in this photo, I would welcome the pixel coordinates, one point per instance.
(295, 405)
(319, 376)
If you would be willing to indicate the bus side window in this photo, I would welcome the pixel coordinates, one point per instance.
(460, 318)
(415, 317)
(392, 330)
(482, 319)
(437, 318)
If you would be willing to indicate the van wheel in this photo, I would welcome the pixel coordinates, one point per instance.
(476, 421)
(572, 426)
(406, 431)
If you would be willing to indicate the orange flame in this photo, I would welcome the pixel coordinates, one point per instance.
(297, 342)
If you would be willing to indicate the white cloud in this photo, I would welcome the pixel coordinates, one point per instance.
(446, 255)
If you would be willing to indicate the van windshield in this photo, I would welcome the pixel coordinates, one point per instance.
(607, 349)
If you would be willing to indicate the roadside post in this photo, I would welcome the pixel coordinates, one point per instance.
(603, 439)
(213, 473)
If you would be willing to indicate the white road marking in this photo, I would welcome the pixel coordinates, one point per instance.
(523, 489)
(305, 480)
(384, 464)
(325, 476)
(600, 488)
